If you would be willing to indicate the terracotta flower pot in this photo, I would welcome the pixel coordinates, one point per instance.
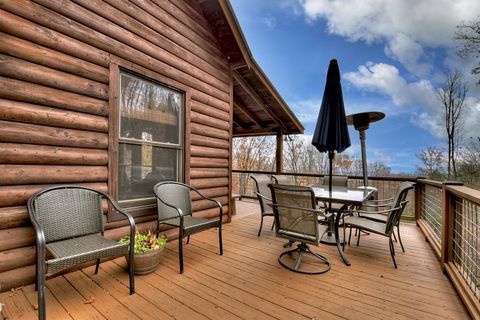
(145, 263)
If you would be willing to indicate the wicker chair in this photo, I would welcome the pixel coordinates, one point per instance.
(283, 179)
(296, 217)
(384, 228)
(174, 203)
(68, 222)
(264, 197)
(385, 204)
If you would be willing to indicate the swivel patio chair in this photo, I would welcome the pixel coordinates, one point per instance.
(384, 228)
(296, 218)
(385, 204)
(68, 223)
(283, 179)
(264, 197)
(174, 202)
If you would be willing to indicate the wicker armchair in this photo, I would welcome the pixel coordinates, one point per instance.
(379, 206)
(264, 197)
(174, 203)
(68, 222)
(296, 218)
(385, 228)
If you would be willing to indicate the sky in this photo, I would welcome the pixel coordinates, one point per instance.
(393, 56)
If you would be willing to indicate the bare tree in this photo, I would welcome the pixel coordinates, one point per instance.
(469, 36)
(452, 96)
(432, 159)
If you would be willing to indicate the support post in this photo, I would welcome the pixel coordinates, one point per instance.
(279, 153)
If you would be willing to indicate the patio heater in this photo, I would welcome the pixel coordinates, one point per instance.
(361, 122)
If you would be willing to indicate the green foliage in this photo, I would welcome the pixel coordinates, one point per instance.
(146, 242)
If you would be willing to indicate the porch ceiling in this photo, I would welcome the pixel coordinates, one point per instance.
(258, 109)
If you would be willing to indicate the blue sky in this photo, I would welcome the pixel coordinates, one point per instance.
(392, 57)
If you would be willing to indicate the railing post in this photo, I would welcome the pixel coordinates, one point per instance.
(447, 224)
(417, 198)
(279, 153)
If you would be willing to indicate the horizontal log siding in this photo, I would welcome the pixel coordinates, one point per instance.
(54, 107)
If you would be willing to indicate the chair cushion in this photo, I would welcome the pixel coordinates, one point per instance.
(70, 252)
(365, 224)
(192, 224)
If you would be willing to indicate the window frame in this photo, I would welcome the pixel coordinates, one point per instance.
(118, 66)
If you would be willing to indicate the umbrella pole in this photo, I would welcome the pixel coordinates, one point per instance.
(331, 155)
(364, 158)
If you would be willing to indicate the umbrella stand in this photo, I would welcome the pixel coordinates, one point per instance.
(364, 157)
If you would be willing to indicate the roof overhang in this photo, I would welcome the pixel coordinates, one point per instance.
(258, 108)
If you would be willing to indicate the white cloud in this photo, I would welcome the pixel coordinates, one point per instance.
(307, 110)
(270, 22)
(406, 26)
(418, 97)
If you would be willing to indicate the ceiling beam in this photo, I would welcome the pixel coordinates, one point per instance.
(247, 112)
(266, 131)
(251, 92)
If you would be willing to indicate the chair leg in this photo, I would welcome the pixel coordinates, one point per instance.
(400, 238)
(41, 297)
(180, 250)
(358, 236)
(394, 237)
(392, 251)
(273, 224)
(350, 235)
(96, 266)
(188, 239)
(261, 225)
(131, 274)
(220, 243)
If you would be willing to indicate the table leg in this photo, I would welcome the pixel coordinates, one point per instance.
(337, 235)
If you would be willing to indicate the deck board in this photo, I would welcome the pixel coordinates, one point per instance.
(248, 283)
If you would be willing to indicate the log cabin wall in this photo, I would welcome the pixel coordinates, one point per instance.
(59, 68)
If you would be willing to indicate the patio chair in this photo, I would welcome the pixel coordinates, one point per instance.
(174, 204)
(68, 223)
(296, 217)
(283, 179)
(264, 197)
(384, 228)
(377, 215)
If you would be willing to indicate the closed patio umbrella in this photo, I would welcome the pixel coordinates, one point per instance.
(331, 132)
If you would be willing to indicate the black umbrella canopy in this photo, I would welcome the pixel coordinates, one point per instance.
(331, 132)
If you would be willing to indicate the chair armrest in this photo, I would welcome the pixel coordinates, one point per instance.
(381, 211)
(381, 200)
(217, 203)
(316, 211)
(262, 196)
(376, 205)
(115, 205)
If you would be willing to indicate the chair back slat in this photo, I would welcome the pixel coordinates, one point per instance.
(68, 212)
(290, 218)
(173, 193)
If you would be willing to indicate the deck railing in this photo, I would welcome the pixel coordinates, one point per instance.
(448, 214)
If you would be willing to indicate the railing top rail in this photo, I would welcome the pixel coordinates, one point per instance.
(465, 192)
(316, 175)
(429, 182)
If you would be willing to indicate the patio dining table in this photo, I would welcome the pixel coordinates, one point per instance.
(347, 197)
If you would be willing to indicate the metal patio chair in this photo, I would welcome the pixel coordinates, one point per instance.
(174, 202)
(296, 218)
(264, 197)
(384, 228)
(385, 204)
(283, 179)
(68, 223)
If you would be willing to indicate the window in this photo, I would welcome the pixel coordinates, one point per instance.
(150, 138)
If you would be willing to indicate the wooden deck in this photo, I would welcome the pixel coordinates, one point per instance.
(248, 283)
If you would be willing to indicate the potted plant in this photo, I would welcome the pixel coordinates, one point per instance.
(147, 251)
